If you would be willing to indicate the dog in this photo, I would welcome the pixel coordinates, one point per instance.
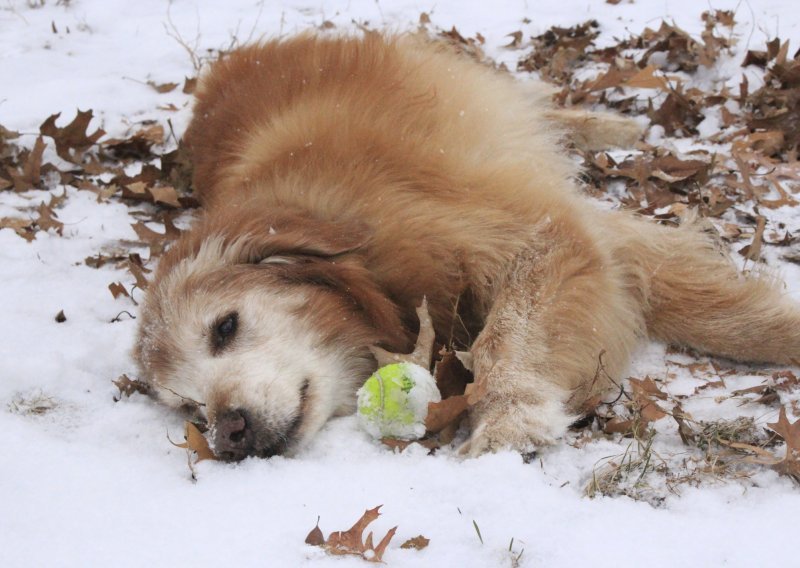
(345, 179)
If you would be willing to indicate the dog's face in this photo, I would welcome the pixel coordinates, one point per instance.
(264, 345)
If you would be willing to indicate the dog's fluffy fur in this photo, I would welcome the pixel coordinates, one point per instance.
(344, 179)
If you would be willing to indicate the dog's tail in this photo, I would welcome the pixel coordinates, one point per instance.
(693, 295)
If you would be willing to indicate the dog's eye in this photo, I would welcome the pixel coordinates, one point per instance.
(224, 331)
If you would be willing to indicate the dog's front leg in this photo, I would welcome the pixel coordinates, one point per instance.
(561, 324)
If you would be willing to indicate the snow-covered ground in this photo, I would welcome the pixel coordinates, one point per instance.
(87, 481)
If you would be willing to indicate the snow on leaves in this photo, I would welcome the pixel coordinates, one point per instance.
(652, 74)
(352, 542)
(94, 164)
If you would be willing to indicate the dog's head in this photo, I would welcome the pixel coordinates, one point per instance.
(262, 327)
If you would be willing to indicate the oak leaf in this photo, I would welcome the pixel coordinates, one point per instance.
(644, 391)
(22, 227)
(71, 140)
(30, 175)
(127, 386)
(790, 432)
(48, 220)
(352, 541)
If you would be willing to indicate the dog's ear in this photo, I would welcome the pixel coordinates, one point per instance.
(351, 280)
(291, 238)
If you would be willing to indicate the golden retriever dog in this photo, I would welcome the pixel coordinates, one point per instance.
(344, 179)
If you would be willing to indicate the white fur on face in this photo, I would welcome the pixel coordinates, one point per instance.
(275, 367)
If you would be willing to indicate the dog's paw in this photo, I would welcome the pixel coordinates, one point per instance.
(518, 426)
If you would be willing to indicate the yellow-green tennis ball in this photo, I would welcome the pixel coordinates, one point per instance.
(393, 402)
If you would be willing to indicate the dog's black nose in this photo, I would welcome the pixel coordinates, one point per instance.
(233, 438)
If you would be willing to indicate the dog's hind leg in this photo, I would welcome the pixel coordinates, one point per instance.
(696, 297)
(560, 313)
(596, 130)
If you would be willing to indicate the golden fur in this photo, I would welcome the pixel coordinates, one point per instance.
(363, 174)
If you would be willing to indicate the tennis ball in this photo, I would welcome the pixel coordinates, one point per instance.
(393, 402)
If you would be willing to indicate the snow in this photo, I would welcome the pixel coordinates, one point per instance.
(87, 481)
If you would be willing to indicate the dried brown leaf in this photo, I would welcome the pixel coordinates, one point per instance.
(165, 195)
(686, 432)
(516, 40)
(139, 145)
(189, 85)
(30, 175)
(138, 271)
(23, 228)
(447, 412)
(790, 432)
(315, 537)
(117, 290)
(646, 79)
(195, 443)
(644, 391)
(48, 220)
(162, 87)
(753, 250)
(417, 543)
(452, 377)
(351, 541)
(127, 386)
(71, 140)
(400, 445)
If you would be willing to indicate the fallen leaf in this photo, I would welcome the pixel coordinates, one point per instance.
(644, 391)
(516, 40)
(315, 537)
(790, 432)
(139, 145)
(646, 79)
(351, 541)
(162, 87)
(189, 85)
(417, 543)
(23, 228)
(753, 250)
(30, 175)
(135, 267)
(400, 445)
(127, 386)
(117, 290)
(446, 412)
(686, 432)
(165, 194)
(48, 220)
(195, 443)
(71, 140)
